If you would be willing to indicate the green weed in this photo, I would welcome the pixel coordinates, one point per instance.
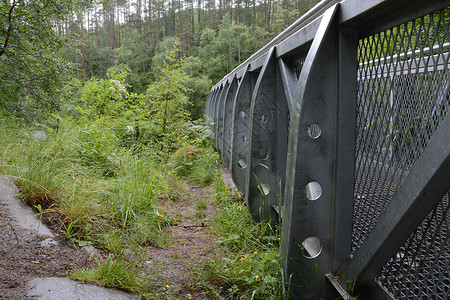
(248, 263)
(197, 164)
(115, 273)
(201, 204)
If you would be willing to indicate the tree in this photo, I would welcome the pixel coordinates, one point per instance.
(168, 97)
(32, 71)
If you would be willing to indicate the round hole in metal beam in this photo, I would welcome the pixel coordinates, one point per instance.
(264, 119)
(314, 131)
(264, 188)
(313, 190)
(242, 114)
(311, 247)
(242, 163)
(261, 154)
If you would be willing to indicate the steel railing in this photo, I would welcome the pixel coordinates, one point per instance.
(337, 130)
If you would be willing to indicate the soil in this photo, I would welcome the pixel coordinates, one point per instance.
(190, 244)
(23, 258)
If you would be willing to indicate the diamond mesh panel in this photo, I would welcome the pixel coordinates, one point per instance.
(403, 95)
(420, 269)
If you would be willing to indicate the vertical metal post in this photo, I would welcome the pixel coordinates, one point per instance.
(317, 135)
(221, 120)
(286, 83)
(209, 109)
(228, 122)
(216, 113)
(345, 141)
(219, 115)
(262, 178)
(240, 125)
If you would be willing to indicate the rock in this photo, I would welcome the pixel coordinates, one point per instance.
(48, 243)
(92, 251)
(39, 135)
(21, 215)
(55, 288)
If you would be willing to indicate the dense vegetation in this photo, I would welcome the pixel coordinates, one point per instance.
(101, 118)
(46, 43)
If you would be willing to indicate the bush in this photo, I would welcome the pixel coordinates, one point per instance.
(197, 164)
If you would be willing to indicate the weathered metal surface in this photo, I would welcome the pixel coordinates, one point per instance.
(240, 125)
(227, 138)
(338, 127)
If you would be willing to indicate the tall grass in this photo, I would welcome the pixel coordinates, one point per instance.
(115, 272)
(246, 263)
(105, 191)
(198, 164)
(81, 174)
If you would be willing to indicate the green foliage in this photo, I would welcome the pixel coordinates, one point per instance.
(36, 174)
(97, 148)
(198, 164)
(168, 99)
(107, 195)
(105, 97)
(197, 160)
(115, 273)
(198, 84)
(80, 173)
(224, 51)
(134, 55)
(247, 262)
(32, 72)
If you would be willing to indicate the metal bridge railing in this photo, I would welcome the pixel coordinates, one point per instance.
(338, 130)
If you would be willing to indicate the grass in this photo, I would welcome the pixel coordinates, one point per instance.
(93, 185)
(105, 194)
(247, 265)
(115, 272)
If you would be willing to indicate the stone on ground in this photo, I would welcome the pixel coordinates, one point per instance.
(55, 288)
(21, 215)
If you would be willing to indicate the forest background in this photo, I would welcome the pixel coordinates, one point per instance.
(46, 44)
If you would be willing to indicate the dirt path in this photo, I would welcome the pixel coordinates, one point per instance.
(23, 257)
(190, 244)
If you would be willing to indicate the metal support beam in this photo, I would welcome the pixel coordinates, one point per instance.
(220, 114)
(318, 135)
(227, 122)
(261, 177)
(241, 129)
(215, 112)
(345, 144)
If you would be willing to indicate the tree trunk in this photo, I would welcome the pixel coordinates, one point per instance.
(237, 12)
(9, 30)
(199, 11)
(230, 3)
(254, 16)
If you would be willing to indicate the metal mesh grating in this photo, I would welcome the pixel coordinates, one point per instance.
(403, 95)
(420, 269)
